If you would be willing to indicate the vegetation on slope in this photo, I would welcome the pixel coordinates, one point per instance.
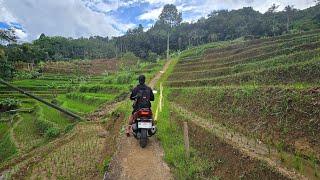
(267, 90)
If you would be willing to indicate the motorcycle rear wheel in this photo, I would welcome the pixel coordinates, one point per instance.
(143, 138)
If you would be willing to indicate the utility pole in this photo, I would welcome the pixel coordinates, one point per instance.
(168, 45)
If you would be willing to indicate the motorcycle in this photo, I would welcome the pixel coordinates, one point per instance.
(143, 126)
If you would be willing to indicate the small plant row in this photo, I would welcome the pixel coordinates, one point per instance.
(233, 48)
(47, 128)
(263, 49)
(253, 58)
(243, 50)
(252, 53)
(81, 158)
(266, 113)
(305, 72)
(264, 64)
(90, 98)
(97, 88)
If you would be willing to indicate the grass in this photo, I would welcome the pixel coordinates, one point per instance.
(243, 57)
(264, 64)
(171, 138)
(26, 133)
(4, 127)
(55, 116)
(267, 89)
(79, 158)
(76, 106)
(304, 72)
(170, 135)
(7, 148)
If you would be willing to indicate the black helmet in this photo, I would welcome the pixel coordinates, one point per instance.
(142, 79)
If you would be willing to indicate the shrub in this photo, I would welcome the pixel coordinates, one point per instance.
(69, 127)
(128, 60)
(52, 132)
(8, 104)
(6, 70)
(124, 78)
(27, 75)
(106, 163)
(46, 127)
(152, 57)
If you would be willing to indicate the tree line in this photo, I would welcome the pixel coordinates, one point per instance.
(219, 25)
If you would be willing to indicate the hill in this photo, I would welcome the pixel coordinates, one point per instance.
(254, 95)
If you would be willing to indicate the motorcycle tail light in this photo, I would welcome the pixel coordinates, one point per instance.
(144, 113)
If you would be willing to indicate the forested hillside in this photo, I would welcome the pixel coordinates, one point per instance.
(147, 44)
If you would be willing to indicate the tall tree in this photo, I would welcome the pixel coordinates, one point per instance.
(272, 10)
(170, 17)
(289, 12)
(7, 36)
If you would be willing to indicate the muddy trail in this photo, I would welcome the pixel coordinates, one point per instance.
(253, 148)
(133, 162)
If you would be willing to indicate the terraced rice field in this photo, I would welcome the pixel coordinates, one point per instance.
(268, 90)
(28, 135)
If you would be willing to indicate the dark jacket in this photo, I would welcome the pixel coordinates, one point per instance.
(135, 92)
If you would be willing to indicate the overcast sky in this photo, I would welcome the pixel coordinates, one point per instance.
(84, 18)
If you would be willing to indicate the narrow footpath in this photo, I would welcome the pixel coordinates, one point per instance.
(133, 162)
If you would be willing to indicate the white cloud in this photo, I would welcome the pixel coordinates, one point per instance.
(21, 34)
(151, 14)
(110, 5)
(5, 16)
(70, 18)
(161, 1)
(128, 26)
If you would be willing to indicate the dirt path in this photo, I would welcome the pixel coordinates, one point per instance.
(251, 147)
(133, 162)
(154, 80)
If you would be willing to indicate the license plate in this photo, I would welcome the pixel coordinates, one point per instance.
(145, 125)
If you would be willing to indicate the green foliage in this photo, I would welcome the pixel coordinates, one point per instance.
(297, 162)
(262, 88)
(6, 70)
(97, 88)
(7, 148)
(124, 77)
(77, 106)
(69, 127)
(128, 61)
(152, 57)
(9, 104)
(52, 132)
(90, 98)
(48, 128)
(170, 135)
(7, 35)
(26, 74)
(106, 163)
(170, 15)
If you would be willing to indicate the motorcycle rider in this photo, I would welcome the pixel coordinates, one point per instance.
(142, 95)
